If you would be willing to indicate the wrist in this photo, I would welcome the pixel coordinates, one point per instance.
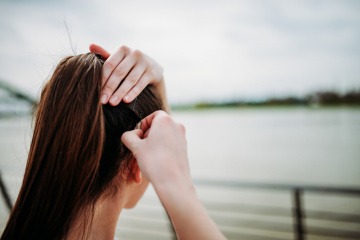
(176, 193)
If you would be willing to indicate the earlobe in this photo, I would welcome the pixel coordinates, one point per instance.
(138, 176)
(135, 172)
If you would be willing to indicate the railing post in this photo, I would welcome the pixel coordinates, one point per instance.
(298, 214)
(5, 194)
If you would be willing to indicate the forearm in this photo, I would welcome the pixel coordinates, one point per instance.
(187, 214)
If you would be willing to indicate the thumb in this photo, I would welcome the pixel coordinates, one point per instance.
(97, 49)
(132, 139)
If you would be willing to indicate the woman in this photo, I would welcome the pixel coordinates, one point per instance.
(79, 175)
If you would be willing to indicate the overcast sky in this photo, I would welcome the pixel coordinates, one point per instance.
(210, 50)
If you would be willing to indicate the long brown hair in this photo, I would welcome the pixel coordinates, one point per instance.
(75, 151)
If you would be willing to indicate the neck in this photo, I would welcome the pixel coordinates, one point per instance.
(103, 226)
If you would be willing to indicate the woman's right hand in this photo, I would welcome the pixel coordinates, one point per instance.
(160, 149)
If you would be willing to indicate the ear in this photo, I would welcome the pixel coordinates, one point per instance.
(135, 173)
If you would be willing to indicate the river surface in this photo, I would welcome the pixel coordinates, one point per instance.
(281, 145)
(286, 145)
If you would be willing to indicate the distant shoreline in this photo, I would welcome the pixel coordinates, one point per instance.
(194, 107)
(14, 102)
(318, 99)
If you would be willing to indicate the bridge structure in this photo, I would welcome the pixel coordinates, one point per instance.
(13, 101)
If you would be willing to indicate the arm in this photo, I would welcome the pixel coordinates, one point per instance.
(187, 214)
(160, 149)
(126, 73)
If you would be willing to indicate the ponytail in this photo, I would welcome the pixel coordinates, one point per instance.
(65, 153)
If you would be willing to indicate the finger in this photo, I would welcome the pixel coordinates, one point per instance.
(99, 50)
(147, 121)
(138, 88)
(112, 63)
(130, 81)
(146, 134)
(115, 80)
(131, 139)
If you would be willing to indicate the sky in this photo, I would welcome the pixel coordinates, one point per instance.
(210, 50)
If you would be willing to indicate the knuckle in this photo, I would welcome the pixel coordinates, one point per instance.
(134, 93)
(119, 72)
(137, 53)
(108, 89)
(133, 79)
(182, 128)
(166, 118)
(109, 65)
(139, 87)
(124, 48)
(155, 73)
(151, 72)
(120, 93)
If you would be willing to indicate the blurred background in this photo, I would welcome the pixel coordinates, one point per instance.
(269, 92)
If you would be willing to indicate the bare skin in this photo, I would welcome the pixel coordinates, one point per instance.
(108, 209)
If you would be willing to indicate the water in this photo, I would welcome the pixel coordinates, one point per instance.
(286, 145)
(316, 146)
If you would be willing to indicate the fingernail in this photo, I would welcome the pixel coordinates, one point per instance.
(126, 98)
(114, 99)
(103, 98)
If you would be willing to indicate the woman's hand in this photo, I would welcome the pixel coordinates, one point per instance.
(126, 73)
(160, 149)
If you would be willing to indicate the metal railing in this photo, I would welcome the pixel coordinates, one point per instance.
(299, 213)
(296, 217)
(5, 193)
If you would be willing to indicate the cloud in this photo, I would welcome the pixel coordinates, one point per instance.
(209, 49)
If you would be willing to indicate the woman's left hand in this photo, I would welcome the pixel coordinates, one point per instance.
(132, 69)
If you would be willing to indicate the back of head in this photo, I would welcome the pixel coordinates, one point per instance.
(75, 152)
